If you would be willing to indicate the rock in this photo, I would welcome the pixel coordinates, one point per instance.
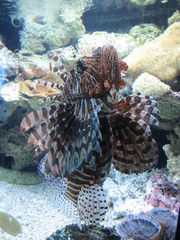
(146, 83)
(9, 63)
(143, 2)
(159, 57)
(32, 66)
(51, 26)
(41, 38)
(14, 152)
(4, 109)
(19, 177)
(174, 18)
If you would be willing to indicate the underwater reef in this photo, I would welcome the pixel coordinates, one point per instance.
(86, 109)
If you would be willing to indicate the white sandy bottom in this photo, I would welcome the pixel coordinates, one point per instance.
(38, 216)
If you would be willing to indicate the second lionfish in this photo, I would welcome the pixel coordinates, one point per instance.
(88, 128)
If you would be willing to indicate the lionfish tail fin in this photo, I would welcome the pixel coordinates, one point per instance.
(134, 148)
(92, 204)
(89, 198)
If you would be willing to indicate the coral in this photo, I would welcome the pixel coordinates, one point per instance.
(159, 57)
(173, 162)
(169, 105)
(87, 232)
(172, 152)
(39, 88)
(125, 195)
(145, 84)
(123, 42)
(168, 221)
(32, 67)
(162, 192)
(174, 137)
(168, 100)
(174, 18)
(10, 224)
(158, 223)
(146, 31)
(139, 228)
(68, 55)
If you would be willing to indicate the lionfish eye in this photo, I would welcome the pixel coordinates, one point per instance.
(81, 65)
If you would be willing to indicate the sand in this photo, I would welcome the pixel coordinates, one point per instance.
(38, 216)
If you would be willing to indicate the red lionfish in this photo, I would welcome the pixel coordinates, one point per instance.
(88, 128)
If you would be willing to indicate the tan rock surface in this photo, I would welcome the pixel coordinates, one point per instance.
(161, 57)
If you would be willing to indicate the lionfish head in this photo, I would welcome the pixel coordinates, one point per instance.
(102, 70)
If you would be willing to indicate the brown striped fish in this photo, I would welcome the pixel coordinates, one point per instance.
(88, 128)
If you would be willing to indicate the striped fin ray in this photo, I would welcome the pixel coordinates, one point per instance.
(55, 85)
(43, 130)
(74, 145)
(134, 148)
(72, 137)
(58, 68)
(103, 161)
(47, 136)
(140, 108)
(75, 182)
(36, 117)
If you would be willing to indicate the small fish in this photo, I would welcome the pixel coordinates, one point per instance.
(88, 128)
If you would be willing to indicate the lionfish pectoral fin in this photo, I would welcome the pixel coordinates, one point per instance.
(134, 148)
(140, 108)
(36, 117)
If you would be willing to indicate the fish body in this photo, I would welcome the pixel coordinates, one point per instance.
(89, 128)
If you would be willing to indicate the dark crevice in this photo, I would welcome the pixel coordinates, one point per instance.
(160, 137)
(108, 16)
(6, 161)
